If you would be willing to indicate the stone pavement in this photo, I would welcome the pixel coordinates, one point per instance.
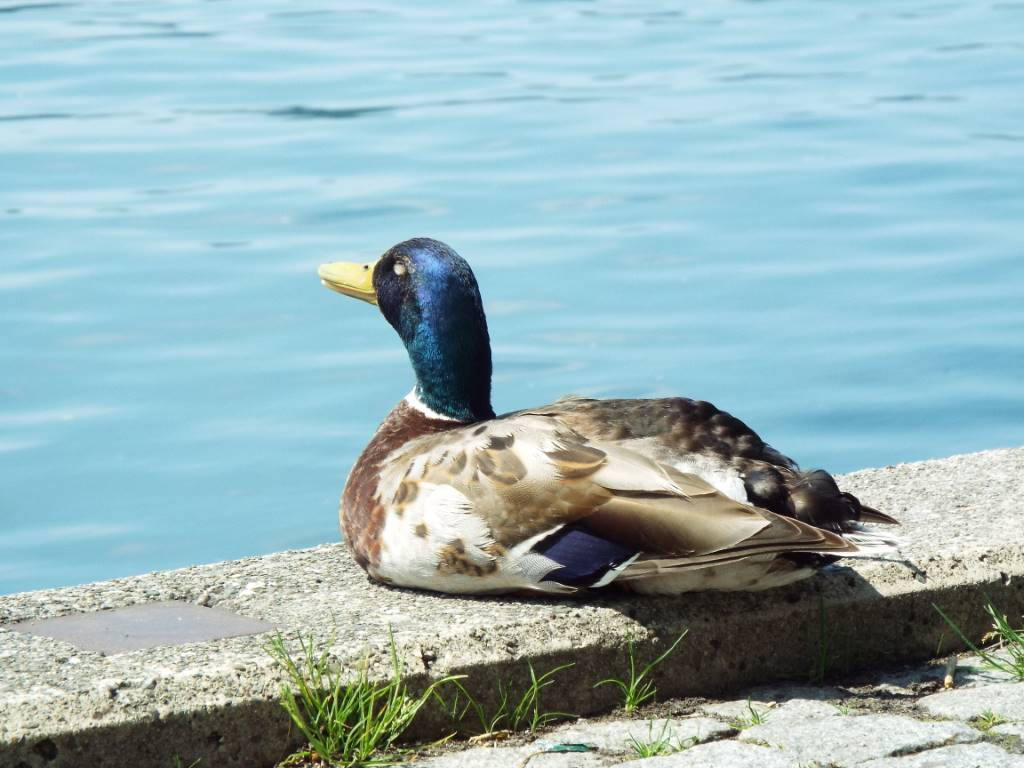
(904, 720)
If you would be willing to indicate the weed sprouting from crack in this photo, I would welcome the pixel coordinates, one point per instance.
(988, 720)
(1003, 635)
(514, 711)
(662, 744)
(755, 717)
(347, 723)
(821, 661)
(639, 688)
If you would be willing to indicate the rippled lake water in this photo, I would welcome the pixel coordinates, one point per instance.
(810, 214)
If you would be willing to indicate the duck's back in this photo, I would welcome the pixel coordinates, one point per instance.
(695, 436)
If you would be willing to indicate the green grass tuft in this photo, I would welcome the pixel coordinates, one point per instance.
(755, 717)
(639, 688)
(1006, 639)
(988, 720)
(515, 711)
(346, 723)
(662, 744)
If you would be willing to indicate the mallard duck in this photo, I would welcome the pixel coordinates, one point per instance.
(661, 496)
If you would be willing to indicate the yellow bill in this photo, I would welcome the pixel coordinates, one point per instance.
(355, 280)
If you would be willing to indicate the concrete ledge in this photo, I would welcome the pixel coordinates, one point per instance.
(216, 700)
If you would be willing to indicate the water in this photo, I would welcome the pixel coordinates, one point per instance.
(808, 213)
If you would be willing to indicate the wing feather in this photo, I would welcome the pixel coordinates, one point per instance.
(527, 474)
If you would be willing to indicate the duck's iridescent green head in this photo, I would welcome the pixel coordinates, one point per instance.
(429, 295)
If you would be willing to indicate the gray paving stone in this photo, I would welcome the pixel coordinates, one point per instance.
(1005, 699)
(514, 757)
(614, 736)
(971, 672)
(905, 681)
(956, 756)
(149, 625)
(853, 739)
(1010, 729)
(795, 709)
(719, 754)
(791, 691)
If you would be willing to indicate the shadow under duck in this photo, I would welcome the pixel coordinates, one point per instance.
(662, 496)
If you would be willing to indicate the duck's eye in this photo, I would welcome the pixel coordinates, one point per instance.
(400, 268)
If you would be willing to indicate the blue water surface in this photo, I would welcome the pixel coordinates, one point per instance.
(808, 213)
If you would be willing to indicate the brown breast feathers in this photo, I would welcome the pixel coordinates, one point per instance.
(361, 514)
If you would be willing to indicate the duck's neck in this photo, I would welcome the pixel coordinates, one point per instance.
(451, 356)
(415, 402)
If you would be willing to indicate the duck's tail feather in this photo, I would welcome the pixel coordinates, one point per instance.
(816, 499)
(871, 544)
(872, 515)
